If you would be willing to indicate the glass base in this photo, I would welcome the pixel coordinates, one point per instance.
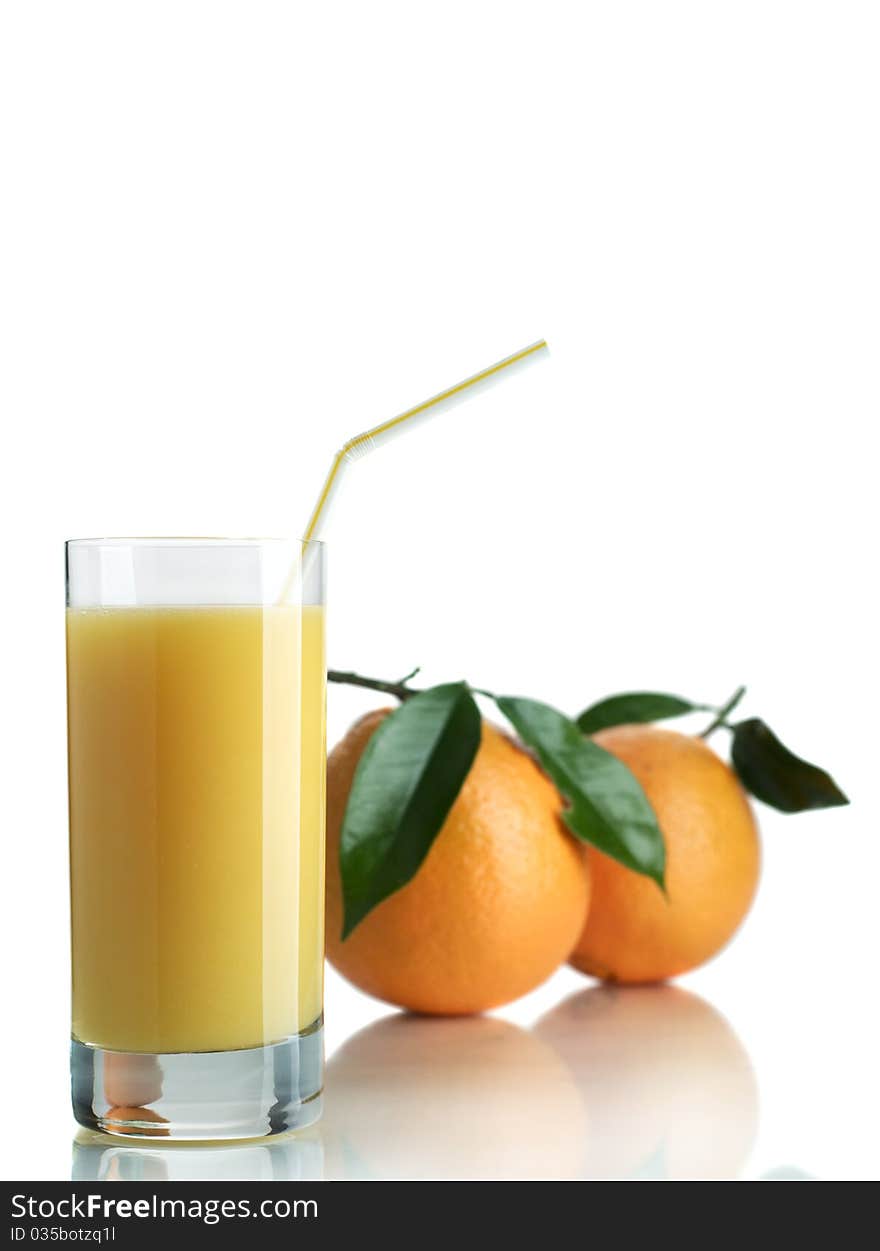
(208, 1096)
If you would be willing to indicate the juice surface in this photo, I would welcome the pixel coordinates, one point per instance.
(197, 764)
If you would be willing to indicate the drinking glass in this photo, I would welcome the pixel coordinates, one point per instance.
(196, 689)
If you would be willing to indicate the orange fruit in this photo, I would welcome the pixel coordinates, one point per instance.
(633, 932)
(496, 905)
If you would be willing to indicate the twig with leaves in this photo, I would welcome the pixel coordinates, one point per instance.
(417, 760)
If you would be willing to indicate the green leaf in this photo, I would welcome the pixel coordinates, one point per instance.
(607, 806)
(633, 707)
(406, 781)
(776, 775)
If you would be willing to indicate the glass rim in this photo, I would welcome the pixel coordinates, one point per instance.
(180, 541)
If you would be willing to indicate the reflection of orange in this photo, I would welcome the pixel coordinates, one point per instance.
(121, 1121)
(131, 1079)
(496, 906)
(472, 1098)
(668, 1088)
(633, 932)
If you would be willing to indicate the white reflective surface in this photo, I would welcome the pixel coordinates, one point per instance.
(751, 1076)
(668, 1088)
(649, 1083)
(297, 1157)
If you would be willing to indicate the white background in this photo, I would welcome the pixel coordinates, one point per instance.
(233, 234)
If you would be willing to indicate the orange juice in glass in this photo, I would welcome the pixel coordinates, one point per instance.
(196, 696)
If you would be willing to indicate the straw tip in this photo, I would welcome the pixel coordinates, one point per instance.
(539, 348)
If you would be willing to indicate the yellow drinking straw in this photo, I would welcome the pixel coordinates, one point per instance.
(363, 443)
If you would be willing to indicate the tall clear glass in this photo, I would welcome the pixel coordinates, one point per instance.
(196, 733)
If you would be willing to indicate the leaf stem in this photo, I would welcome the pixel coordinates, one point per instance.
(723, 713)
(398, 689)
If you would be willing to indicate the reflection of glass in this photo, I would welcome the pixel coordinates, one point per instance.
(668, 1087)
(290, 1158)
(414, 1097)
(787, 1172)
(196, 747)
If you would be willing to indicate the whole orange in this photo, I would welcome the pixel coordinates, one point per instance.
(635, 933)
(495, 907)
